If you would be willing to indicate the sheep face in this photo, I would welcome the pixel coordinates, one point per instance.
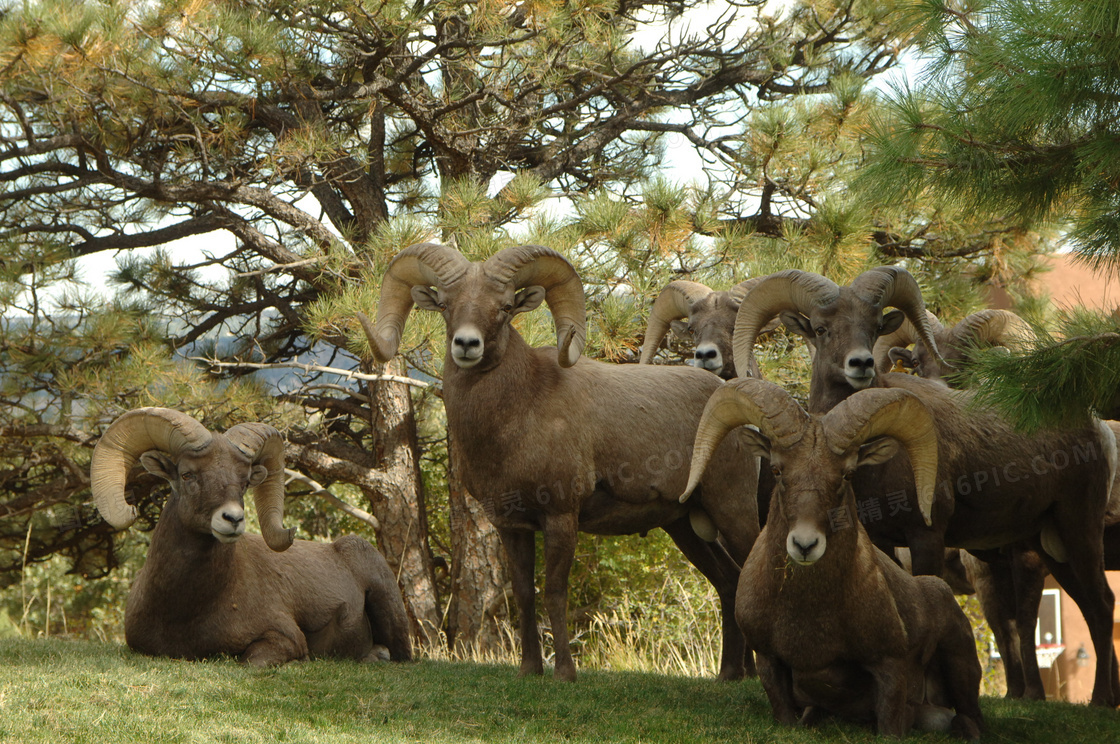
(843, 334)
(710, 322)
(813, 492)
(477, 315)
(209, 487)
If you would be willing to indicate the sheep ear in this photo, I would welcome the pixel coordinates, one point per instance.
(798, 323)
(426, 298)
(159, 463)
(877, 451)
(680, 330)
(528, 298)
(901, 356)
(891, 322)
(758, 444)
(257, 475)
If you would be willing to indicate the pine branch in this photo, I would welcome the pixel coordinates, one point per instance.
(309, 368)
(317, 489)
(1061, 384)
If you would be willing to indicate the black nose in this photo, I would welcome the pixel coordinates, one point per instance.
(706, 354)
(233, 519)
(805, 549)
(469, 342)
(861, 362)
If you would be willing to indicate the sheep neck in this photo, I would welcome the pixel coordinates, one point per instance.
(195, 565)
(477, 395)
(821, 583)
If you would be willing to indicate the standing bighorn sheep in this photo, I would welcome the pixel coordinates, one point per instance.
(207, 588)
(711, 320)
(837, 626)
(554, 443)
(997, 486)
(1009, 582)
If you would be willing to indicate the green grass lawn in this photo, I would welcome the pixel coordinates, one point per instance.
(62, 692)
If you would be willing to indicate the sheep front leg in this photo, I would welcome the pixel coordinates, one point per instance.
(927, 551)
(893, 716)
(777, 680)
(560, 534)
(521, 555)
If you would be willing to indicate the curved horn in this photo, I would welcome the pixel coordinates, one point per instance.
(992, 328)
(674, 302)
(745, 401)
(427, 264)
(904, 335)
(892, 286)
(262, 444)
(791, 289)
(739, 291)
(527, 265)
(130, 436)
(893, 413)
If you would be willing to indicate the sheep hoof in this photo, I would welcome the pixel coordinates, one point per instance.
(965, 728)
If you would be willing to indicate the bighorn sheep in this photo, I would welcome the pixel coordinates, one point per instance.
(711, 319)
(841, 324)
(209, 589)
(1008, 582)
(977, 505)
(554, 443)
(837, 626)
(978, 330)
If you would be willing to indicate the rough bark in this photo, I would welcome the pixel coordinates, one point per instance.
(478, 573)
(399, 504)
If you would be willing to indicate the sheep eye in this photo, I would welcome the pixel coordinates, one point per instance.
(186, 476)
(821, 330)
(507, 308)
(775, 470)
(849, 474)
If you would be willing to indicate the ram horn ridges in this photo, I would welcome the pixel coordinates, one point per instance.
(744, 402)
(739, 291)
(674, 302)
(992, 327)
(262, 444)
(791, 289)
(422, 264)
(893, 413)
(891, 286)
(527, 265)
(130, 436)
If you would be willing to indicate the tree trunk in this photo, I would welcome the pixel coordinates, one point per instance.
(399, 504)
(478, 572)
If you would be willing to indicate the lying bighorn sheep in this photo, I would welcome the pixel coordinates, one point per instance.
(711, 319)
(554, 443)
(837, 626)
(978, 330)
(1057, 491)
(209, 589)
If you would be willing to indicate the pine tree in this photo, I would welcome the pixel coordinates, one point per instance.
(1016, 116)
(318, 139)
